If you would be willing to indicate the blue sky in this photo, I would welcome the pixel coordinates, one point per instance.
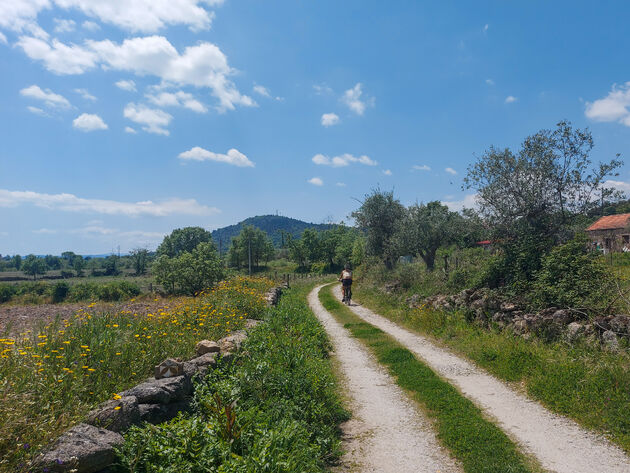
(123, 120)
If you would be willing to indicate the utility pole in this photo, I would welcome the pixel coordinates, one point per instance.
(249, 244)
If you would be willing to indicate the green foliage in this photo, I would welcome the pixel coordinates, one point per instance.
(6, 292)
(17, 262)
(573, 277)
(183, 240)
(33, 266)
(378, 216)
(323, 251)
(140, 260)
(190, 272)
(78, 264)
(60, 292)
(252, 241)
(117, 291)
(110, 265)
(275, 410)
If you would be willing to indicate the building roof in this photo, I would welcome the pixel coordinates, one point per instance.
(610, 222)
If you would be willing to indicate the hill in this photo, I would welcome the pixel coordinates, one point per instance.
(273, 225)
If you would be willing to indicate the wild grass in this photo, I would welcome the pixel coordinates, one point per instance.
(476, 442)
(276, 409)
(583, 382)
(51, 377)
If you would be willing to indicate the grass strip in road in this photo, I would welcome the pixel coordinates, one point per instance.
(476, 442)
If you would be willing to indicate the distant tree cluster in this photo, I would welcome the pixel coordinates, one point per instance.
(251, 243)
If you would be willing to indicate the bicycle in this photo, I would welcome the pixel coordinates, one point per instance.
(347, 294)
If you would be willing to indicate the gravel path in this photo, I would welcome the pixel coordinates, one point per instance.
(559, 444)
(387, 432)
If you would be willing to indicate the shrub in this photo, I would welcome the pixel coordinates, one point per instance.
(6, 292)
(117, 291)
(60, 292)
(319, 268)
(66, 274)
(572, 277)
(84, 291)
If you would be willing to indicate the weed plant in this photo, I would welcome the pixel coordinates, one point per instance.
(51, 377)
(276, 409)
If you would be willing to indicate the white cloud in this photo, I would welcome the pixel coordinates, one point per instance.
(316, 181)
(152, 120)
(63, 25)
(510, 99)
(202, 65)
(617, 185)
(387, 172)
(85, 94)
(468, 202)
(3, 38)
(489, 82)
(613, 107)
(233, 156)
(352, 98)
(417, 167)
(45, 231)
(341, 184)
(47, 96)
(322, 89)
(450, 171)
(89, 122)
(330, 119)
(128, 129)
(132, 15)
(343, 160)
(90, 26)
(37, 111)
(72, 203)
(262, 90)
(485, 27)
(177, 99)
(128, 85)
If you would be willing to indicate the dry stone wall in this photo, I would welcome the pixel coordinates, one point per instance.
(89, 446)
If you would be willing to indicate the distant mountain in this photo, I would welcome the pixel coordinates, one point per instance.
(270, 224)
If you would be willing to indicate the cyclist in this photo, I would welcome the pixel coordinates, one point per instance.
(346, 283)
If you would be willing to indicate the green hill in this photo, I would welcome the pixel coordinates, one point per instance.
(273, 225)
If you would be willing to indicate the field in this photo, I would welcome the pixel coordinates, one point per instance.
(52, 373)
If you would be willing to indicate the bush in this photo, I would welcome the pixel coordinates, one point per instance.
(60, 292)
(85, 291)
(117, 291)
(6, 292)
(66, 274)
(320, 268)
(572, 277)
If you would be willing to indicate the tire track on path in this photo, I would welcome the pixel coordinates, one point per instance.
(387, 433)
(559, 444)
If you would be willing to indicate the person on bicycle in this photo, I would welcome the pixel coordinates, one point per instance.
(346, 282)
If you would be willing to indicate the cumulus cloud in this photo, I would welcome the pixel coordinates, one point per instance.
(617, 185)
(177, 99)
(37, 111)
(322, 89)
(90, 26)
(330, 119)
(417, 167)
(202, 65)
(341, 184)
(342, 160)
(3, 38)
(510, 99)
(233, 157)
(47, 96)
(133, 15)
(468, 202)
(85, 94)
(450, 171)
(613, 107)
(63, 25)
(152, 120)
(262, 90)
(387, 172)
(352, 98)
(130, 130)
(72, 203)
(128, 85)
(89, 122)
(316, 181)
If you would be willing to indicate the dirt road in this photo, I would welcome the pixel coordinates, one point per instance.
(559, 444)
(387, 432)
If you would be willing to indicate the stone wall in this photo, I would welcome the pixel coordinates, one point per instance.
(486, 307)
(89, 446)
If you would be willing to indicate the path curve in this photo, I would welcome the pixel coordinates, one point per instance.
(388, 433)
(559, 444)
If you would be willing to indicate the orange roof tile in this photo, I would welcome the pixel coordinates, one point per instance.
(610, 222)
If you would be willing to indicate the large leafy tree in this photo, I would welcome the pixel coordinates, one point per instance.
(426, 228)
(139, 260)
(531, 197)
(254, 239)
(33, 266)
(183, 240)
(378, 217)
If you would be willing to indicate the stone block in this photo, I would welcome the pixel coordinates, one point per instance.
(206, 346)
(116, 415)
(169, 368)
(161, 391)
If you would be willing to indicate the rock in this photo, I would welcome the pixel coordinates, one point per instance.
(206, 346)
(620, 324)
(169, 368)
(158, 413)
(209, 359)
(610, 341)
(116, 415)
(391, 287)
(573, 331)
(161, 391)
(232, 342)
(83, 448)
(602, 323)
(251, 323)
(413, 301)
(520, 327)
(563, 316)
(508, 307)
(273, 296)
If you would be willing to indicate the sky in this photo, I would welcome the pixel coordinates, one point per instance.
(123, 120)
